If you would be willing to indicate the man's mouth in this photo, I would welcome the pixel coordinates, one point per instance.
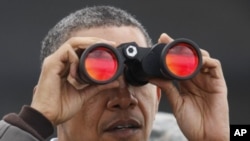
(123, 128)
(123, 124)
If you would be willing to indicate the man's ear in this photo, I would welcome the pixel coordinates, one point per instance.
(34, 90)
(158, 92)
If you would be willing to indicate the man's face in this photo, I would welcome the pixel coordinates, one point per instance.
(125, 113)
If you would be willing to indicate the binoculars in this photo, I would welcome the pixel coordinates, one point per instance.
(102, 63)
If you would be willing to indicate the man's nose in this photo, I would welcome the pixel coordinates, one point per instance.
(123, 98)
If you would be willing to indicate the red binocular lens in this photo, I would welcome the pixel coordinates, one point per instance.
(99, 64)
(181, 59)
(102, 63)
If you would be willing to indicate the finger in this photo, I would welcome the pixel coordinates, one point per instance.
(67, 59)
(212, 66)
(76, 83)
(204, 53)
(72, 72)
(164, 38)
(170, 90)
(84, 42)
(73, 60)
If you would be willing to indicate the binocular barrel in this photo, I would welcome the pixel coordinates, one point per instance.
(102, 63)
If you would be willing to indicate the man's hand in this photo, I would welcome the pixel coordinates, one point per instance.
(58, 95)
(200, 104)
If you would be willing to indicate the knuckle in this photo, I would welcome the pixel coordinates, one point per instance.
(217, 62)
(205, 52)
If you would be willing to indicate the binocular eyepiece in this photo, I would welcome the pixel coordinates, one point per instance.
(102, 63)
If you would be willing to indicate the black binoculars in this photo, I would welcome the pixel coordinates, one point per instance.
(102, 63)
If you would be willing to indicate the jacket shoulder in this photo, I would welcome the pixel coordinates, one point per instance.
(9, 132)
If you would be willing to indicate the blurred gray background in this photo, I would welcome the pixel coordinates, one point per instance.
(221, 27)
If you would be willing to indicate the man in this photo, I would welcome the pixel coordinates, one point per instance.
(117, 110)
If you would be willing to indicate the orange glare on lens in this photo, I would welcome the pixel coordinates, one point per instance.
(182, 60)
(101, 64)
